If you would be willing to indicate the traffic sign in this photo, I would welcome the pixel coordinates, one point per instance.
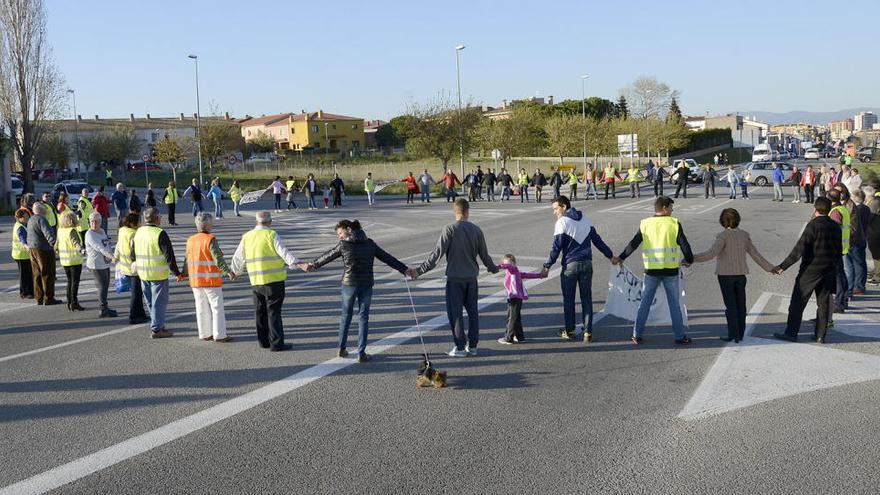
(231, 159)
(496, 154)
(145, 158)
(627, 143)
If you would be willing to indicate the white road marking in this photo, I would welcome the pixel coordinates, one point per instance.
(626, 205)
(102, 459)
(716, 205)
(759, 370)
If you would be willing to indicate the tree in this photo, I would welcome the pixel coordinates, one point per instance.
(622, 108)
(565, 135)
(218, 138)
(171, 151)
(260, 143)
(649, 96)
(53, 150)
(31, 88)
(119, 145)
(516, 135)
(387, 136)
(437, 129)
(674, 111)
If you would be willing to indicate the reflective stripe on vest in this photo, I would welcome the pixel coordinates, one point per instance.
(51, 217)
(68, 254)
(203, 270)
(845, 225)
(19, 250)
(151, 264)
(123, 250)
(633, 175)
(660, 243)
(86, 209)
(609, 174)
(170, 196)
(289, 185)
(264, 266)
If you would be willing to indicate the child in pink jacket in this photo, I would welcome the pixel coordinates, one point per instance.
(516, 294)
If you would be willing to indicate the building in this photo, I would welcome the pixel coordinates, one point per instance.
(326, 131)
(147, 131)
(841, 129)
(864, 121)
(506, 107)
(275, 126)
(746, 133)
(371, 127)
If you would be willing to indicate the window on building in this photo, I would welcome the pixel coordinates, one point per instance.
(355, 145)
(155, 136)
(354, 126)
(314, 128)
(333, 126)
(249, 132)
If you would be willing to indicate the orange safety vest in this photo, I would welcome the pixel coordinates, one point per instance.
(203, 270)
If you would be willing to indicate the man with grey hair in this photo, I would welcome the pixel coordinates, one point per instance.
(41, 246)
(205, 267)
(264, 255)
(153, 260)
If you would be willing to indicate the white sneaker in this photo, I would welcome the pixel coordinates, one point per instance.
(470, 352)
(503, 340)
(457, 353)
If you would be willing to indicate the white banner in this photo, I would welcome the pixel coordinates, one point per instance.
(625, 295)
(384, 184)
(252, 197)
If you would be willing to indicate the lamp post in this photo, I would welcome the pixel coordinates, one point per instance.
(326, 140)
(76, 135)
(198, 119)
(584, 114)
(458, 50)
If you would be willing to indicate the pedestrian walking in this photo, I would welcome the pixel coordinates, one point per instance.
(70, 255)
(820, 249)
(205, 269)
(99, 257)
(153, 257)
(122, 252)
(709, 175)
(590, 179)
(235, 196)
(411, 188)
(216, 195)
(310, 188)
(516, 294)
(461, 242)
(778, 179)
(808, 182)
(633, 177)
(663, 244)
(357, 252)
(290, 187)
(733, 181)
(370, 189)
(573, 235)
(681, 175)
(556, 182)
(41, 246)
(730, 248)
(277, 189)
(337, 187)
(425, 181)
(119, 198)
(170, 199)
(264, 255)
(539, 181)
(194, 193)
(21, 255)
(796, 178)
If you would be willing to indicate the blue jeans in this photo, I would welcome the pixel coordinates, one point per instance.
(311, 200)
(426, 193)
(197, 207)
(732, 187)
(505, 193)
(577, 275)
(777, 191)
(218, 208)
(235, 206)
(364, 295)
(856, 268)
(670, 285)
(842, 290)
(156, 294)
(450, 193)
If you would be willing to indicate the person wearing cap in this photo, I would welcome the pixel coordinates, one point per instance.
(205, 268)
(265, 257)
(152, 257)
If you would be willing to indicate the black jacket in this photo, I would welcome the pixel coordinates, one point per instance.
(819, 247)
(357, 254)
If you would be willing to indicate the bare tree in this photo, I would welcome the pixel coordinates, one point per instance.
(31, 87)
(648, 97)
(432, 129)
(172, 151)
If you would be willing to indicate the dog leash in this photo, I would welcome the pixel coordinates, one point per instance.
(418, 325)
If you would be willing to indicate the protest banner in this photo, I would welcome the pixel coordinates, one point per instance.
(384, 184)
(625, 295)
(252, 197)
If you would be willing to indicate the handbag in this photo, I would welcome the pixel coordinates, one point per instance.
(121, 282)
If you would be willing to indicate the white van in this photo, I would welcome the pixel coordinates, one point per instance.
(762, 153)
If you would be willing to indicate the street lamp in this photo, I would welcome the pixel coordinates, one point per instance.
(584, 114)
(326, 141)
(198, 119)
(458, 50)
(76, 135)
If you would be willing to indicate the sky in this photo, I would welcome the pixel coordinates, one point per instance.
(372, 59)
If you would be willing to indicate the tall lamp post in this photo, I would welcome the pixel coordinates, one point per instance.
(584, 114)
(458, 50)
(198, 119)
(76, 135)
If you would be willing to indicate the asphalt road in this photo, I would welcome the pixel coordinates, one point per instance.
(92, 405)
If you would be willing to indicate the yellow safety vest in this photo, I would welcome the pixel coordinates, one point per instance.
(235, 194)
(151, 264)
(660, 242)
(19, 250)
(846, 225)
(170, 196)
(609, 174)
(572, 179)
(289, 185)
(108, 174)
(633, 175)
(522, 180)
(123, 250)
(68, 254)
(264, 266)
(51, 217)
(86, 209)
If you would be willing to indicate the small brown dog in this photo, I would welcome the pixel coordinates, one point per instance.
(429, 377)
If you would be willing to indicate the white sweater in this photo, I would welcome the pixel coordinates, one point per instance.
(98, 252)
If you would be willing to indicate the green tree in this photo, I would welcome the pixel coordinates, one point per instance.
(260, 143)
(517, 135)
(54, 150)
(219, 137)
(171, 151)
(387, 136)
(622, 108)
(437, 129)
(120, 145)
(565, 135)
(674, 110)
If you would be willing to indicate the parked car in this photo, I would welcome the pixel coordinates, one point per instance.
(762, 152)
(865, 154)
(783, 155)
(73, 188)
(17, 187)
(762, 172)
(811, 154)
(50, 174)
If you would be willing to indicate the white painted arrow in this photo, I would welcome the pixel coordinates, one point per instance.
(759, 370)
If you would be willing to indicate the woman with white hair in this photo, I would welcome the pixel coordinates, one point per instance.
(99, 256)
(70, 255)
(205, 267)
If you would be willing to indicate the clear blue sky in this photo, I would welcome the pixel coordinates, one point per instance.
(370, 58)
